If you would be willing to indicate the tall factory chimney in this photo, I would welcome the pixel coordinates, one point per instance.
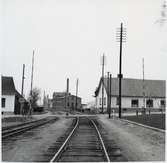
(67, 85)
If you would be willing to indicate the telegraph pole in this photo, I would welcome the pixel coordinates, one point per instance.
(76, 94)
(108, 93)
(67, 91)
(110, 97)
(23, 77)
(120, 72)
(32, 72)
(121, 37)
(66, 94)
(143, 88)
(21, 100)
(102, 82)
(30, 112)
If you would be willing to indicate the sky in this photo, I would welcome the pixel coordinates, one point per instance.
(69, 38)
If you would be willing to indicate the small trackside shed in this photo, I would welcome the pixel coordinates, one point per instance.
(10, 96)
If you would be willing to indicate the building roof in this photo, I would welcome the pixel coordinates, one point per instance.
(63, 95)
(18, 94)
(134, 87)
(60, 94)
(8, 87)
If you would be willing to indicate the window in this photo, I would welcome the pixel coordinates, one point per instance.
(117, 101)
(104, 100)
(162, 102)
(3, 102)
(134, 103)
(100, 101)
(149, 103)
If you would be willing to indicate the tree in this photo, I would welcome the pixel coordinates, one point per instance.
(34, 97)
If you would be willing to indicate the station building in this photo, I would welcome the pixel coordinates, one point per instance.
(66, 101)
(9, 96)
(132, 94)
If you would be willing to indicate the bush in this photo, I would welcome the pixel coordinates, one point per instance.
(39, 109)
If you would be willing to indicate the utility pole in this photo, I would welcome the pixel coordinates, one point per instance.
(23, 77)
(30, 112)
(108, 93)
(21, 100)
(66, 94)
(143, 88)
(103, 57)
(121, 38)
(76, 94)
(32, 72)
(110, 96)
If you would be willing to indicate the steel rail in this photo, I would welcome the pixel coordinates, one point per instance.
(101, 140)
(61, 148)
(24, 128)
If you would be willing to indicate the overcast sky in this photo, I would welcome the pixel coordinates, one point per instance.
(69, 37)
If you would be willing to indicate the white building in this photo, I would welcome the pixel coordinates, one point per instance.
(10, 96)
(132, 94)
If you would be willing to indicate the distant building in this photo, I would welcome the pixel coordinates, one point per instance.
(50, 103)
(65, 101)
(90, 106)
(132, 94)
(84, 106)
(10, 96)
(47, 102)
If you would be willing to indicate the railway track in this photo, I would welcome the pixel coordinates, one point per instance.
(12, 131)
(83, 144)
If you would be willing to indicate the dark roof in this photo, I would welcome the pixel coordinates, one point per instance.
(18, 94)
(8, 87)
(134, 87)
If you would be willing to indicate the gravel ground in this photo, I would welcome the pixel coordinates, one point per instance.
(32, 145)
(136, 143)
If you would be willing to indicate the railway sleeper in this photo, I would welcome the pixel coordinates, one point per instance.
(85, 153)
(85, 147)
(81, 159)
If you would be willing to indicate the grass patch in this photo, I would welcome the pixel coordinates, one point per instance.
(153, 120)
(16, 119)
